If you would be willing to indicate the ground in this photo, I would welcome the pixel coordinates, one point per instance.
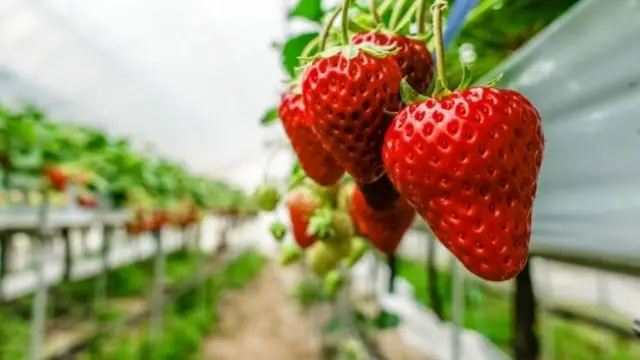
(262, 322)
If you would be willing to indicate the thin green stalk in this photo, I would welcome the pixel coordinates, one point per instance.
(327, 28)
(395, 15)
(345, 21)
(382, 9)
(309, 48)
(422, 17)
(406, 19)
(437, 9)
(374, 12)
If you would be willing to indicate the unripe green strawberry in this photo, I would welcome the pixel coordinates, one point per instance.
(267, 197)
(358, 248)
(344, 196)
(333, 281)
(327, 194)
(322, 258)
(278, 230)
(352, 350)
(290, 254)
(340, 238)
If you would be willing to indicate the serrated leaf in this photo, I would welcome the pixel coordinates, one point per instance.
(292, 50)
(308, 9)
(269, 117)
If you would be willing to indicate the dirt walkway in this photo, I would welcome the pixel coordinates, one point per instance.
(261, 322)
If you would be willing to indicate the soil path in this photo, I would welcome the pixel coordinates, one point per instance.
(261, 322)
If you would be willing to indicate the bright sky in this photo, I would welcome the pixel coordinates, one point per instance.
(192, 77)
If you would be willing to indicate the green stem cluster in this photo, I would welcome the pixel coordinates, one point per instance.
(438, 7)
(327, 28)
(345, 21)
(422, 17)
(374, 11)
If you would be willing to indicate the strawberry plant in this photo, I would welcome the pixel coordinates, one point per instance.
(38, 154)
(369, 112)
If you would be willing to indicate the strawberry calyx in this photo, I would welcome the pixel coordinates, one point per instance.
(321, 223)
(350, 51)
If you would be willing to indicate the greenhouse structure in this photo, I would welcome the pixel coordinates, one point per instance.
(320, 179)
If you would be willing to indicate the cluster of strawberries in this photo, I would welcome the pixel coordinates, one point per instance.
(467, 161)
(58, 179)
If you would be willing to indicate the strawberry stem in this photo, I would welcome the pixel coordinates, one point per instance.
(436, 9)
(327, 28)
(374, 12)
(345, 21)
(310, 47)
(422, 17)
(396, 12)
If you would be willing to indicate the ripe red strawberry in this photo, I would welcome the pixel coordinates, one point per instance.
(56, 177)
(302, 205)
(469, 163)
(348, 94)
(314, 159)
(413, 57)
(384, 228)
(87, 201)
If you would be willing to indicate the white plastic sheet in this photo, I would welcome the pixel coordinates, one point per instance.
(419, 327)
(582, 74)
(190, 77)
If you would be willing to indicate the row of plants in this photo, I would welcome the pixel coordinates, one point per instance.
(186, 320)
(40, 156)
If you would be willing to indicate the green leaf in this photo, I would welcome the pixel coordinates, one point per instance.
(270, 116)
(308, 9)
(386, 320)
(293, 49)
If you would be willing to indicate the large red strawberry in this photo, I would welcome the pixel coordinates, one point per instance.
(384, 228)
(314, 159)
(413, 57)
(348, 95)
(469, 163)
(302, 205)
